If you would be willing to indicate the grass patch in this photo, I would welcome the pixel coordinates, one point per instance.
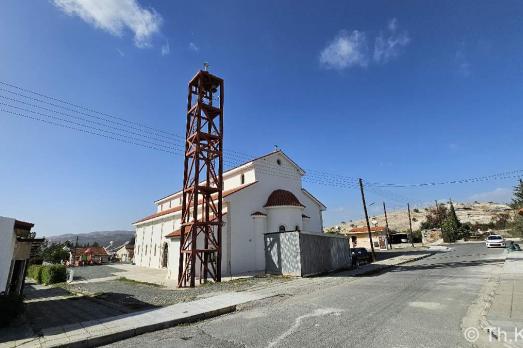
(136, 282)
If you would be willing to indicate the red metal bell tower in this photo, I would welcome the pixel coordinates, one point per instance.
(201, 229)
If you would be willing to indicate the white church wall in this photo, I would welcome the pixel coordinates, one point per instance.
(288, 216)
(242, 236)
(314, 224)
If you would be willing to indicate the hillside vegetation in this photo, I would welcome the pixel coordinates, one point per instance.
(473, 213)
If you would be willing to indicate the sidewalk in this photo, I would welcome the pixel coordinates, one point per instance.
(110, 329)
(504, 317)
(98, 332)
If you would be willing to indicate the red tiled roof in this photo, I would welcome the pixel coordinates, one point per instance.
(179, 207)
(175, 234)
(282, 198)
(365, 230)
(258, 213)
(97, 251)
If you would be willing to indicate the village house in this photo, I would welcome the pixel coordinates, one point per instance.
(125, 253)
(261, 196)
(16, 244)
(88, 256)
(359, 237)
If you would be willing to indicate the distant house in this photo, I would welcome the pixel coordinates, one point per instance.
(16, 242)
(88, 256)
(359, 237)
(125, 253)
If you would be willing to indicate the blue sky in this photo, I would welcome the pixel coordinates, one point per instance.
(396, 92)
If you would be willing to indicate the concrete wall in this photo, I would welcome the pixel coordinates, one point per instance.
(305, 254)
(323, 253)
(282, 253)
(7, 245)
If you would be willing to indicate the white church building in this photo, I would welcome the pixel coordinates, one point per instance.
(261, 196)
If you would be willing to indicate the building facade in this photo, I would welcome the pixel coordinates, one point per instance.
(261, 196)
(125, 253)
(16, 242)
(359, 237)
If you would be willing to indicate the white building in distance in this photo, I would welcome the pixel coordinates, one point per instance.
(261, 196)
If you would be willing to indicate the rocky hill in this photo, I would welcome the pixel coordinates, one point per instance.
(103, 238)
(482, 213)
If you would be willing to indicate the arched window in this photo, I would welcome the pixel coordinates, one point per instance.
(242, 179)
(278, 161)
(281, 228)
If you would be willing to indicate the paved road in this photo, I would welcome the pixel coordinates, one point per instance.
(420, 304)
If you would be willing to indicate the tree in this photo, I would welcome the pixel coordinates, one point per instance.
(55, 253)
(435, 217)
(451, 228)
(517, 201)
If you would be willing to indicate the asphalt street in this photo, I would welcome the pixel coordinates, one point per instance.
(419, 304)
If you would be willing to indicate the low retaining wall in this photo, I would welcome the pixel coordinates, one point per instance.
(305, 254)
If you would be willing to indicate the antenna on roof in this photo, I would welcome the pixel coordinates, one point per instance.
(206, 66)
(276, 148)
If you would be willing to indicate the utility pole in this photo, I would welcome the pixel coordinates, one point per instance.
(410, 225)
(389, 240)
(367, 220)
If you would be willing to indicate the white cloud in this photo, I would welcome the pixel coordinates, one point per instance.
(116, 16)
(351, 49)
(193, 47)
(389, 45)
(166, 48)
(346, 50)
(499, 195)
(393, 24)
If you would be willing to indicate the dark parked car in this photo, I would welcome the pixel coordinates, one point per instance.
(360, 256)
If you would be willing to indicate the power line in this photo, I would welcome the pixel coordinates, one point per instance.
(175, 141)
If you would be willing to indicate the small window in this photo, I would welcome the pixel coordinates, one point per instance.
(282, 228)
(242, 179)
(155, 250)
(297, 228)
(146, 250)
(278, 161)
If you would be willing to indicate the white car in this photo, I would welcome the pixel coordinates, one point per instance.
(495, 240)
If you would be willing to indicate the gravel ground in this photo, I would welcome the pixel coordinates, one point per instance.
(94, 272)
(132, 294)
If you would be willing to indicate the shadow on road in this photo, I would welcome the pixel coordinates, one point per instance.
(69, 312)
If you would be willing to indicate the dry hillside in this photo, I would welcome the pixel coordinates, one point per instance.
(482, 213)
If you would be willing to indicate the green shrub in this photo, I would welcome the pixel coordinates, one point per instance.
(35, 272)
(11, 306)
(52, 274)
